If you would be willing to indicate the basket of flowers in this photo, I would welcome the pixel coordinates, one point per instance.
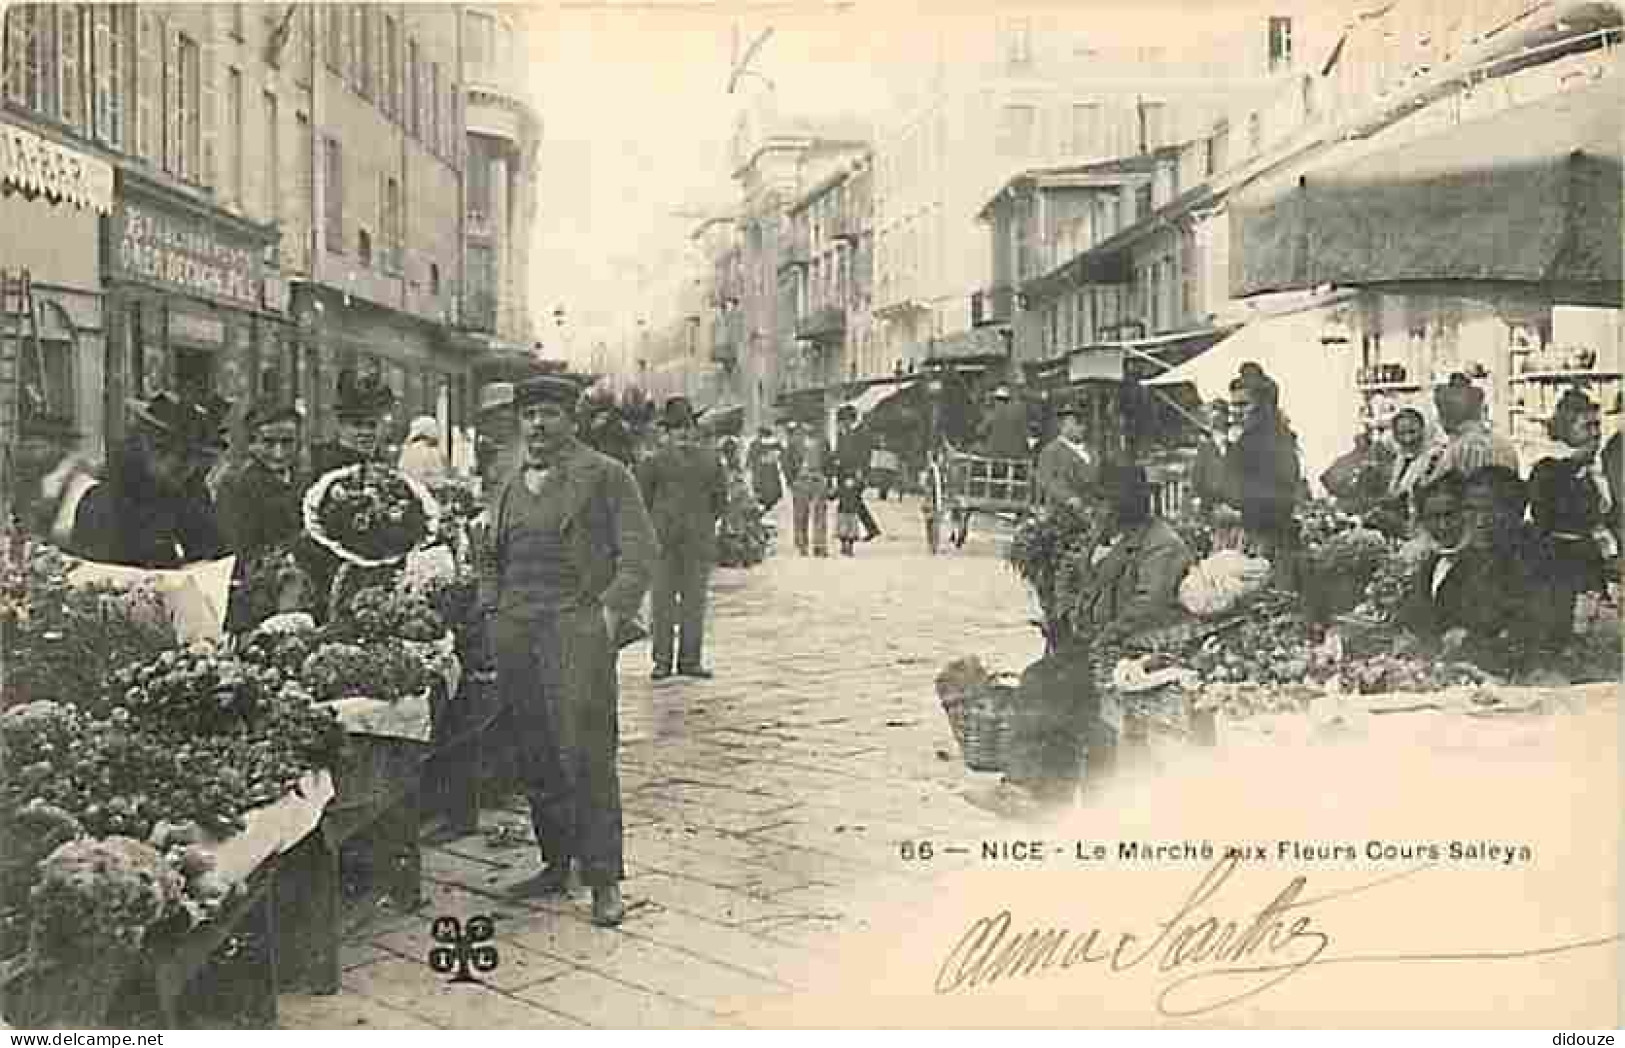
(370, 515)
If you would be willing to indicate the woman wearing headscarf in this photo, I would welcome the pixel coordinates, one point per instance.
(1571, 502)
(1262, 473)
(421, 458)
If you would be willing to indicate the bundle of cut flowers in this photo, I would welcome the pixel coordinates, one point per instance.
(370, 514)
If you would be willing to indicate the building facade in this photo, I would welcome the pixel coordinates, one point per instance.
(287, 201)
(830, 272)
(1013, 92)
(500, 183)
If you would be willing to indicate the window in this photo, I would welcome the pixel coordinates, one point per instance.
(273, 159)
(364, 18)
(1280, 43)
(1016, 126)
(186, 111)
(298, 237)
(1088, 129)
(432, 132)
(479, 182)
(335, 51)
(32, 58)
(414, 89)
(72, 25)
(234, 162)
(481, 41)
(434, 278)
(392, 227)
(392, 66)
(1218, 149)
(355, 33)
(1255, 134)
(112, 78)
(1142, 201)
(237, 19)
(363, 247)
(333, 187)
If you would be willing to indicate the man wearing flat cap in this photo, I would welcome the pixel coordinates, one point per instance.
(686, 490)
(142, 515)
(260, 505)
(564, 570)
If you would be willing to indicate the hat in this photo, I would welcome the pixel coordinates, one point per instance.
(1002, 393)
(266, 412)
(847, 411)
(547, 389)
(424, 427)
(678, 413)
(364, 399)
(1069, 407)
(495, 395)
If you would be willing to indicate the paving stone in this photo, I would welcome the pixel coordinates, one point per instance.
(343, 1011)
(722, 905)
(411, 986)
(596, 1000)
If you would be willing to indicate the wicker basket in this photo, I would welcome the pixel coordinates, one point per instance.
(984, 723)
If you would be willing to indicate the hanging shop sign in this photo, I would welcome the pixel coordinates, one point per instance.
(37, 165)
(186, 253)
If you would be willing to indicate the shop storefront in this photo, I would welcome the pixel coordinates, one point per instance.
(1491, 250)
(52, 196)
(190, 308)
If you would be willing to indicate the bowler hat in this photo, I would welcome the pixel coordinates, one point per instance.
(1069, 407)
(362, 399)
(547, 389)
(677, 413)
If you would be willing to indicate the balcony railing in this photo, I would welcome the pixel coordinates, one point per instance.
(823, 323)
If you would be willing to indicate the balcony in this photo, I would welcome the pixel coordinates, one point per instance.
(824, 324)
(993, 306)
(845, 226)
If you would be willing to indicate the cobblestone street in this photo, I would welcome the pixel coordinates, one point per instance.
(764, 810)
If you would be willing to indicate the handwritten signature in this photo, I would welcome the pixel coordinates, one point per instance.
(1207, 954)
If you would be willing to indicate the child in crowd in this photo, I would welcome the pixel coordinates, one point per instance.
(848, 504)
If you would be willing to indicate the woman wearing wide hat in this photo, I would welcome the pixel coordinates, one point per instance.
(686, 489)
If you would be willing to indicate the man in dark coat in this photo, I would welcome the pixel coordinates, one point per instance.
(1263, 478)
(146, 513)
(261, 505)
(570, 552)
(1008, 428)
(852, 451)
(807, 466)
(686, 491)
(764, 470)
(1068, 472)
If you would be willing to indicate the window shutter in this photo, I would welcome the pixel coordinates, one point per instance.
(101, 61)
(210, 96)
(69, 57)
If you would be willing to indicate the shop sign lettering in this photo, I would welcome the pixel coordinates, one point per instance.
(187, 256)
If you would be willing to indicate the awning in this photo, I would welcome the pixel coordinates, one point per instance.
(875, 396)
(34, 164)
(1528, 195)
(722, 417)
(1318, 392)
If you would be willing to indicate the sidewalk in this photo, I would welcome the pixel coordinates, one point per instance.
(764, 810)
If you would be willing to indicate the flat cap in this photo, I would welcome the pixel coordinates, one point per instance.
(547, 389)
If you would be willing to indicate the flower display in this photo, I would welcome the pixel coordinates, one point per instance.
(370, 514)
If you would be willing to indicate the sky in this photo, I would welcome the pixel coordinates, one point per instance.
(637, 119)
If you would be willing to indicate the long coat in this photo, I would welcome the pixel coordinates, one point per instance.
(1064, 474)
(555, 659)
(686, 491)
